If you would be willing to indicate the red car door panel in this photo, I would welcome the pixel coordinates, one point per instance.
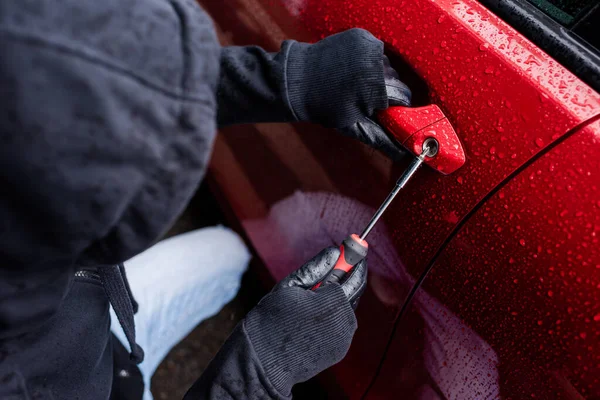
(511, 308)
(505, 97)
(289, 185)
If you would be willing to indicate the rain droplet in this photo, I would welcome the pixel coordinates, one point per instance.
(475, 93)
(583, 335)
(597, 317)
(550, 293)
(484, 47)
(489, 70)
(443, 44)
(441, 19)
(539, 142)
(492, 150)
(408, 28)
(459, 180)
(540, 322)
(522, 242)
(462, 78)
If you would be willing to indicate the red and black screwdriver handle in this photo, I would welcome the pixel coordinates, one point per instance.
(352, 251)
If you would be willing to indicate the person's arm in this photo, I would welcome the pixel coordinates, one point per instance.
(338, 82)
(290, 336)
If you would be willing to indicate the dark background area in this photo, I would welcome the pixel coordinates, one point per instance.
(186, 361)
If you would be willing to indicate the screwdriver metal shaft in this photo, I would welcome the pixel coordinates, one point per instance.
(404, 178)
(354, 248)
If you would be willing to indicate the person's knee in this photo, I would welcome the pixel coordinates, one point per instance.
(220, 245)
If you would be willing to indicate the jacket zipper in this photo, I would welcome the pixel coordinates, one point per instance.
(87, 274)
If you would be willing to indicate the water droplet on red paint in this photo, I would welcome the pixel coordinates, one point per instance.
(501, 195)
(511, 260)
(598, 204)
(408, 28)
(597, 317)
(459, 180)
(579, 214)
(539, 142)
(475, 93)
(462, 78)
(583, 335)
(484, 47)
(569, 310)
(540, 322)
(513, 156)
(515, 281)
(489, 70)
(522, 242)
(443, 44)
(492, 150)
(441, 19)
(436, 50)
(563, 213)
(550, 293)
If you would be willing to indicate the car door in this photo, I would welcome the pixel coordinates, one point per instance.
(511, 307)
(288, 185)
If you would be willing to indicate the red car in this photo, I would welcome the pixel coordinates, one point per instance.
(483, 283)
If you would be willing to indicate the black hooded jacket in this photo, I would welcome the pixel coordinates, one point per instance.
(108, 112)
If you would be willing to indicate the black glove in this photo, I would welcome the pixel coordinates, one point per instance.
(319, 267)
(297, 332)
(368, 131)
(341, 81)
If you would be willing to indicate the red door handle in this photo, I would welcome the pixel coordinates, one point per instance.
(412, 126)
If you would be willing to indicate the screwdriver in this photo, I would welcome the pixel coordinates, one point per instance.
(354, 248)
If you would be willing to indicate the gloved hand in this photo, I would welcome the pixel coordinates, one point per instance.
(341, 81)
(368, 131)
(297, 332)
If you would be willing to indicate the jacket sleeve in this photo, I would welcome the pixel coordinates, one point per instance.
(292, 335)
(332, 82)
(235, 373)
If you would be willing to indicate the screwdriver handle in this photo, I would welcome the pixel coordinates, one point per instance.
(352, 251)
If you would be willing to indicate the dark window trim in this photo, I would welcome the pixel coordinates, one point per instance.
(563, 45)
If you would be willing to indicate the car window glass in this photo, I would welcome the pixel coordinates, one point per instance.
(563, 11)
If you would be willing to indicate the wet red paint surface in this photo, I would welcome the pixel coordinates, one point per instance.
(507, 101)
(412, 126)
(511, 308)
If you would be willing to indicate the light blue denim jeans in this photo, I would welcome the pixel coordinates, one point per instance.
(178, 283)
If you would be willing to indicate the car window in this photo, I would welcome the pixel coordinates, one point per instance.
(564, 11)
(566, 29)
(587, 27)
